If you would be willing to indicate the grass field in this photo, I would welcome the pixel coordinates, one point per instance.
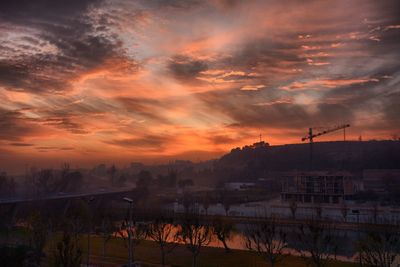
(148, 252)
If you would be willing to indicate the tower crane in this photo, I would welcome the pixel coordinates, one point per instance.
(311, 135)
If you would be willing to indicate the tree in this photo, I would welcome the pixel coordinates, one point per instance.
(226, 201)
(68, 253)
(184, 183)
(45, 181)
(122, 180)
(112, 172)
(222, 229)
(188, 203)
(206, 203)
(344, 210)
(78, 217)
(171, 178)
(38, 236)
(266, 239)
(162, 231)
(133, 230)
(72, 182)
(293, 208)
(168, 180)
(375, 212)
(194, 234)
(16, 256)
(107, 229)
(380, 248)
(144, 179)
(318, 211)
(317, 244)
(7, 185)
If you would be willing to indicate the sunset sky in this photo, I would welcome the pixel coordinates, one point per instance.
(156, 80)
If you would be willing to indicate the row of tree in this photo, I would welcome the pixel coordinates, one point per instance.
(45, 181)
(315, 241)
(7, 185)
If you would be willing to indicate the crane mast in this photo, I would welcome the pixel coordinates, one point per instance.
(311, 135)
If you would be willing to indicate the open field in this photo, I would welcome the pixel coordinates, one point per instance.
(148, 252)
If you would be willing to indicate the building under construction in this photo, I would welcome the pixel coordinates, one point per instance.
(318, 187)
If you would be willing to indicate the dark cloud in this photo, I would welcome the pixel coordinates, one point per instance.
(69, 40)
(55, 10)
(185, 68)
(65, 122)
(265, 52)
(392, 110)
(21, 144)
(222, 139)
(144, 107)
(13, 126)
(255, 109)
(243, 110)
(147, 142)
(53, 148)
(181, 4)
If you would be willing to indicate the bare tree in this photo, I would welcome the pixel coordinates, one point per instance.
(65, 170)
(380, 249)
(222, 228)
(78, 217)
(317, 244)
(318, 211)
(194, 234)
(38, 236)
(137, 231)
(188, 203)
(7, 185)
(226, 201)
(163, 232)
(293, 209)
(266, 239)
(375, 212)
(206, 203)
(112, 172)
(227, 206)
(107, 230)
(68, 253)
(344, 209)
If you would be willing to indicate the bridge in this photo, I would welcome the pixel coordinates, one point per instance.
(62, 196)
(60, 202)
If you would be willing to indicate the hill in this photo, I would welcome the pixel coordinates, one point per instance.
(256, 161)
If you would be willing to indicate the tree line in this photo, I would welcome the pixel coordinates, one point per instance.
(314, 241)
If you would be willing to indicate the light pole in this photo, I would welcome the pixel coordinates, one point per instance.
(130, 201)
(357, 212)
(89, 201)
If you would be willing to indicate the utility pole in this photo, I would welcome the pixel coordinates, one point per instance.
(89, 201)
(130, 201)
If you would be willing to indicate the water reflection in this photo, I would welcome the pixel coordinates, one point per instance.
(346, 240)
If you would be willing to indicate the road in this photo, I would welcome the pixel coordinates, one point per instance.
(60, 195)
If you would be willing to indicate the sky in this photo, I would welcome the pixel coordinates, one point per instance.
(157, 80)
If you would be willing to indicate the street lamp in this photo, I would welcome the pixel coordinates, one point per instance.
(130, 201)
(89, 201)
(357, 212)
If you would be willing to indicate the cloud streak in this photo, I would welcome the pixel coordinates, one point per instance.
(156, 79)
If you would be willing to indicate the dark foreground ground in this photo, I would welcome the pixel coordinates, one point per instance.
(148, 253)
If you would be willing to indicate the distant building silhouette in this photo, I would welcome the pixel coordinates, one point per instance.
(319, 187)
(381, 180)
